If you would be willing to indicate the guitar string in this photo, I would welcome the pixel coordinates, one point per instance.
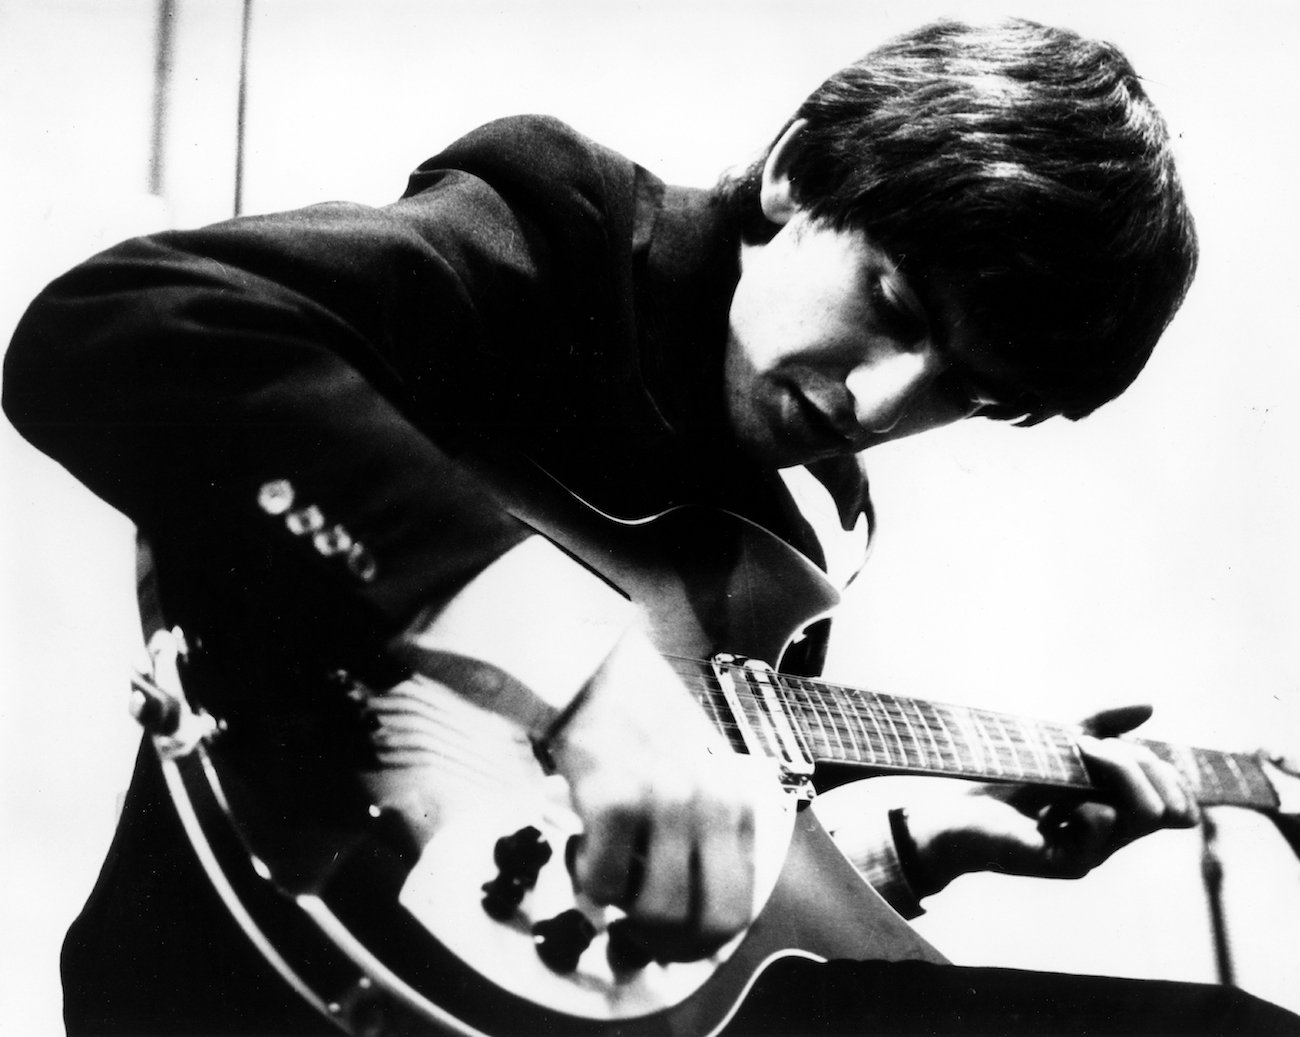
(839, 711)
(1022, 749)
(900, 748)
(1216, 776)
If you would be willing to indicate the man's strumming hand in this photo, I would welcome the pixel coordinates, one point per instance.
(669, 811)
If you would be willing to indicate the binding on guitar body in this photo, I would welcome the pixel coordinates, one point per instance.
(425, 886)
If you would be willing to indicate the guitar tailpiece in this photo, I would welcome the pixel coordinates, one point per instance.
(158, 701)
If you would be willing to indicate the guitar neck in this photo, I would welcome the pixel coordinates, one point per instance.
(880, 733)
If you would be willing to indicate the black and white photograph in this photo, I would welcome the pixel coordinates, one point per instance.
(692, 517)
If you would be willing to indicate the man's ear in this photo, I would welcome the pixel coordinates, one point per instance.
(775, 195)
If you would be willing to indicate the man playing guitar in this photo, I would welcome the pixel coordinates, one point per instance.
(970, 221)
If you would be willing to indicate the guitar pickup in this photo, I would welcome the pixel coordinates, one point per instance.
(759, 703)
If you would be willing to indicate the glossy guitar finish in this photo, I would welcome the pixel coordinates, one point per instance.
(364, 886)
(371, 906)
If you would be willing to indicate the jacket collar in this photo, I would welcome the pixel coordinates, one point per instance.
(688, 264)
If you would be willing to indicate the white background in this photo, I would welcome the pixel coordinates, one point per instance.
(1146, 554)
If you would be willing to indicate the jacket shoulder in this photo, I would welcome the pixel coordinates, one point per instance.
(536, 159)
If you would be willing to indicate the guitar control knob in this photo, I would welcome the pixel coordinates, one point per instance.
(562, 939)
(519, 858)
(501, 896)
(626, 951)
(522, 855)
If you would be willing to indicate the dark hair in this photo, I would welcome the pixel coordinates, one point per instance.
(1023, 168)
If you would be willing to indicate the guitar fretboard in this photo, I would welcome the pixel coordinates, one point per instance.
(763, 711)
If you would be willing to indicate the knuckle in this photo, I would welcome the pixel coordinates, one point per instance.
(617, 800)
(660, 911)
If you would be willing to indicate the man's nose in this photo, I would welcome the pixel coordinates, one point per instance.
(886, 385)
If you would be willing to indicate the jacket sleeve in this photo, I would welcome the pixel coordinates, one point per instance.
(857, 816)
(265, 398)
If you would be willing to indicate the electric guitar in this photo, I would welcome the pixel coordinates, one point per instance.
(423, 886)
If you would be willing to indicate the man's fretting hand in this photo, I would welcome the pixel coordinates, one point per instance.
(668, 810)
(1024, 831)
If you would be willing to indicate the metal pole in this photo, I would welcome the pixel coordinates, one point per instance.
(1212, 874)
(162, 73)
(242, 108)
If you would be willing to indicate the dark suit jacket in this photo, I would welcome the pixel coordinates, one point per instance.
(530, 289)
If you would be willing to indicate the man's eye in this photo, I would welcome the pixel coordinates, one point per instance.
(896, 317)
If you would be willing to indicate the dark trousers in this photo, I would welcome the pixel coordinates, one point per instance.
(883, 999)
(794, 997)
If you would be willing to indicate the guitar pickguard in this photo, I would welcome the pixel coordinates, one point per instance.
(476, 798)
(368, 926)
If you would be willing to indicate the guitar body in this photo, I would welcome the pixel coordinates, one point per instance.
(364, 888)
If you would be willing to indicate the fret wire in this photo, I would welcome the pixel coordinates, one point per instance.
(818, 710)
(1262, 792)
(1209, 766)
(868, 719)
(1238, 780)
(1209, 776)
(1186, 764)
(929, 730)
(970, 739)
(852, 727)
(794, 716)
(850, 721)
(1235, 770)
(1051, 751)
(1000, 741)
(1027, 762)
(938, 720)
(1009, 746)
(846, 719)
(831, 706)
(997, 749)
(1028, 750)
(831, 719)
(978, 717)
(1010, 736)
(893, 714)
(918, 744)
(1070, 746)
(834, 706)
(709, 695)
(944, 715)
(838, 723)
(1057, 746)
(830, 710)
(863, 708)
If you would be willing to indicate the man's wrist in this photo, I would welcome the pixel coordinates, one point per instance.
(524, 637)
(915, 870)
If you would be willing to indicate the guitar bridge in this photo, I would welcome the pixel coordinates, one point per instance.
(758, 701)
